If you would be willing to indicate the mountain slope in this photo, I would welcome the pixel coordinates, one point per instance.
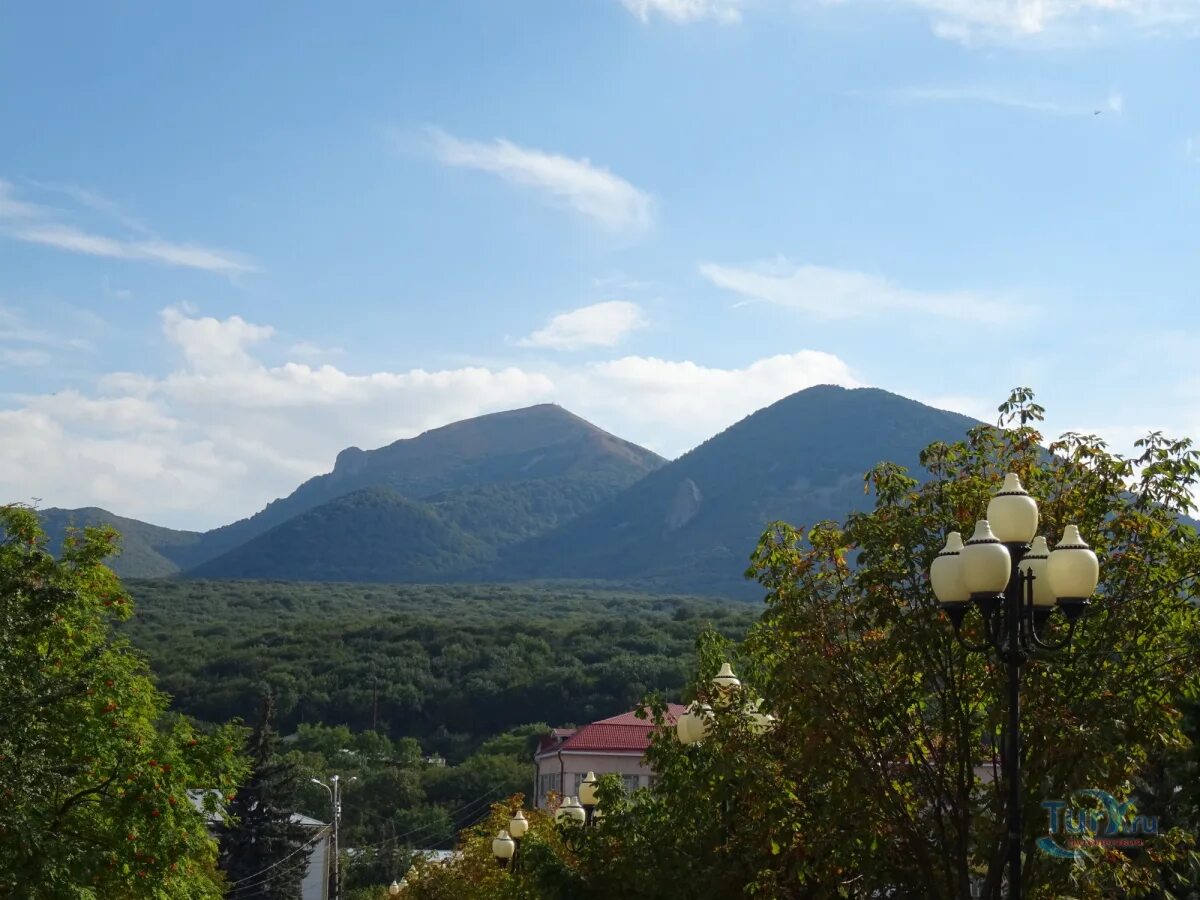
(539, 443)
(147, 551)
(692, 524)
(368, 535)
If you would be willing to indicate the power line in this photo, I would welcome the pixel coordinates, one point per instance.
(302, 864)
(243, 884)
(454, 814)
(312, 841)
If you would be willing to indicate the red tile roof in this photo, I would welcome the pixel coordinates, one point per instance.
(625, 733)
(674, 710)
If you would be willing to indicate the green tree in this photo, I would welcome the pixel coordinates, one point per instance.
(544, 868)
(94, 781)
(264, 853)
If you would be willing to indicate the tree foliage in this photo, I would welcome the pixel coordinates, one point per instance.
(93, 778)
(447, 665)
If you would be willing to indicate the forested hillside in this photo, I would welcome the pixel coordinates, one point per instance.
(543, 444)
(147, 551)
(449, 665)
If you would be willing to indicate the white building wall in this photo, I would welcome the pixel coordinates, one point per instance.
(576, 764)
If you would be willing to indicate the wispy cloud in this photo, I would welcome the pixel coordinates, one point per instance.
(1113, 104)
(590, 190)
(725, 11)
(35, 223)
(599, 325)
(95, 201)
(842, 294)
(970, 21)
(22, 345)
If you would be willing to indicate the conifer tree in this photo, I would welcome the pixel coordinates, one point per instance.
(264, 854)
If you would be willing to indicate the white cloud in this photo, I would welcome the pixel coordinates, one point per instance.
(210, 344)
(726, 11)
(673, 405)
(599, 325)
(843, 294)
(38, 224)
(590, 190)
(969, 21)
(1000, 97)
(224, 433)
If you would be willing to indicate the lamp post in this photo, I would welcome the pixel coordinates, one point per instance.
(506, 845)
(1016, 585)
(571, 811)
(335, 802)
(503, 847)
(693, 725)
(587, 796)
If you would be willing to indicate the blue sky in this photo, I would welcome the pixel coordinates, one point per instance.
(235, 238)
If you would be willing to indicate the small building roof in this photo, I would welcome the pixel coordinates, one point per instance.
(625, 733)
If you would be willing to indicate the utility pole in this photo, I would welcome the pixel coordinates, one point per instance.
(335, 801)
(337, 855)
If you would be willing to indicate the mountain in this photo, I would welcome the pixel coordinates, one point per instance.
(542, 443)
(147, 551)
(373, 534)
(468, 489)
(692, 524)
(539, 493)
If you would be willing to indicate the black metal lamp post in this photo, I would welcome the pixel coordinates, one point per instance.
(1016, 585)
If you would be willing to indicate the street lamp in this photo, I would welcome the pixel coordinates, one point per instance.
(571, 811)
(503, 847)
(1016, 585)
(335, 803)
(587, 796)
(506, 846)
(693, 725)
(518, 825)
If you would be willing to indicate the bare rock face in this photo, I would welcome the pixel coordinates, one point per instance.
(683, 506)
(350, 461)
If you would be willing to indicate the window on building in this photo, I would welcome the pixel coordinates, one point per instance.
(630, 782)
(547, 783)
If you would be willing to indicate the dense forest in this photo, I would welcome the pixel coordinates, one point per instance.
(385, 682)
(448, 665)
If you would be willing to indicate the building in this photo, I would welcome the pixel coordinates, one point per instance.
(314, 884)
(614, 746)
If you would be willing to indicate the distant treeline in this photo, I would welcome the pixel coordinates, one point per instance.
(448, 665)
